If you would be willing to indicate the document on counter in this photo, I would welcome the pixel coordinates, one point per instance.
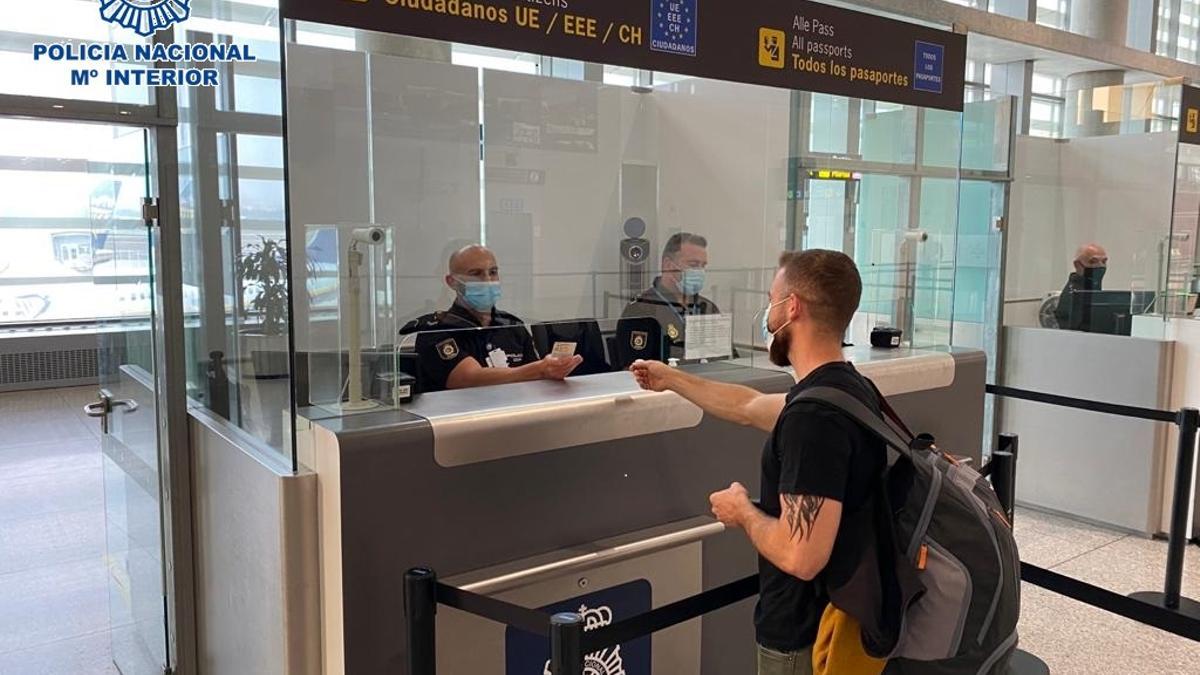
(708, 337)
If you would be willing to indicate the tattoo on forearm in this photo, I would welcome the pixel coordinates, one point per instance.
(801, 514)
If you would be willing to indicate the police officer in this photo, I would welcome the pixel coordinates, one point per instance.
(675, 294)
(1091, 262)
(473, 344)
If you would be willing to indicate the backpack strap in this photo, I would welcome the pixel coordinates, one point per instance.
(889, 411)
(848, 404)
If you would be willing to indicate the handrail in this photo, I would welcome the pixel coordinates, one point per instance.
(605, 556)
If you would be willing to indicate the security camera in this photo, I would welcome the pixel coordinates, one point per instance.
(368, 235)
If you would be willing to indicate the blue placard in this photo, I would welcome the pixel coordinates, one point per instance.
(527, 654)
(930, 62)
(673, 26)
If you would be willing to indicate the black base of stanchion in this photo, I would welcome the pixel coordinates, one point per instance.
(1187, 607)
(1024, 663)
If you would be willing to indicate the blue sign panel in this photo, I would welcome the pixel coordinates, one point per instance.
(673, 26)
(527, 654)
(930, 62)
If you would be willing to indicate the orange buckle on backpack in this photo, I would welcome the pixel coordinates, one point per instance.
(922, 557)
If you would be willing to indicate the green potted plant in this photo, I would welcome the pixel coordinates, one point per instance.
(264, 272)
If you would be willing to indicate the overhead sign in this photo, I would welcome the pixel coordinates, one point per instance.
(1189, 116)
(793, 44)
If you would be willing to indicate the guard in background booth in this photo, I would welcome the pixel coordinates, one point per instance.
(1091, 261)
(675, 295)
(474, 344)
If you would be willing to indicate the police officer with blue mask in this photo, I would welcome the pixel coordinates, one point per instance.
(677, 293)
(474, 344)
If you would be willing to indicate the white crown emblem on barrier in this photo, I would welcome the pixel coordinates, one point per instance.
(602, 662)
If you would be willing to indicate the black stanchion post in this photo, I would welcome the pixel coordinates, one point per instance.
(1188, 420)
(1004, 481)
(1185, 466)
(420, 613)
(566, 644)
(1004, 473)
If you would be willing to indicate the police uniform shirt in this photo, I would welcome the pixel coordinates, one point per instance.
(445, 339)
(658, 302)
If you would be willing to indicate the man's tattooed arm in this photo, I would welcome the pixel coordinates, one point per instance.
(801, 513)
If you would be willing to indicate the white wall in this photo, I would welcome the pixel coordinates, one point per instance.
(1112, 190)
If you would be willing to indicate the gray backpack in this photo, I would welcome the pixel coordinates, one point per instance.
(953, 603)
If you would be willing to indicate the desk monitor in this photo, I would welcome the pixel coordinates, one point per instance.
(585, 333)
(1108, 312)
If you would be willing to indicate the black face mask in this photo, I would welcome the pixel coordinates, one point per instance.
(1092, 277)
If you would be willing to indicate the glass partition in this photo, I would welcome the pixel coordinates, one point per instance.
(1102, 199)
(1100, 255)
(611, 218)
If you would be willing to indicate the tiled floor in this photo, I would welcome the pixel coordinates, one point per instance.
(54, 615)
(1073, 638)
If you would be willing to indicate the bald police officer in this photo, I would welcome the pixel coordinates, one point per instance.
(1091, 262)
(473, 344)
(675, 294)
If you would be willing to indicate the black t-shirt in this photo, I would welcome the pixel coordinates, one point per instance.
(817, 451)
(446, 338)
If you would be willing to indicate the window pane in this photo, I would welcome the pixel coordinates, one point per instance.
(72, 194)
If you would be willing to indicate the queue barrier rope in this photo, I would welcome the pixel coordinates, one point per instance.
(1169, 600)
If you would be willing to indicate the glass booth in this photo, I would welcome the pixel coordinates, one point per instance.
(578, 185)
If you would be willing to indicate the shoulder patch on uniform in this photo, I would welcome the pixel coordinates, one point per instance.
(638, 339)
(447, 349)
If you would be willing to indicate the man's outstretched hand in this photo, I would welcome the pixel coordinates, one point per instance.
(652, 375)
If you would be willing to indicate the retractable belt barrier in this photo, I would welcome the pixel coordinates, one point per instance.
(569, 643)
(1165, 610)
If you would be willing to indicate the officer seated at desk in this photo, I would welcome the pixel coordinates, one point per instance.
(473, 344)
(675, 294)
(1091, 262)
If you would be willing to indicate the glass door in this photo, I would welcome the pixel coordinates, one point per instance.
(829, 212)
(123, 277)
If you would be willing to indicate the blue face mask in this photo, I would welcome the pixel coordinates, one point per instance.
(693, 281)
(481, 296)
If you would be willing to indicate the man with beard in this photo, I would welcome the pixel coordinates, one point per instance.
(1091, 262)
(820, 469)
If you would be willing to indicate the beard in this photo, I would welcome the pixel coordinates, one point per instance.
(778, 351)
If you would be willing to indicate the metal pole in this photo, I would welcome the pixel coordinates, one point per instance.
(1185, 464)
(566, 644)
(1004, 473)
(420, 614)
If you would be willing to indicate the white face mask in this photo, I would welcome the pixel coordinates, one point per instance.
(768, 334)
